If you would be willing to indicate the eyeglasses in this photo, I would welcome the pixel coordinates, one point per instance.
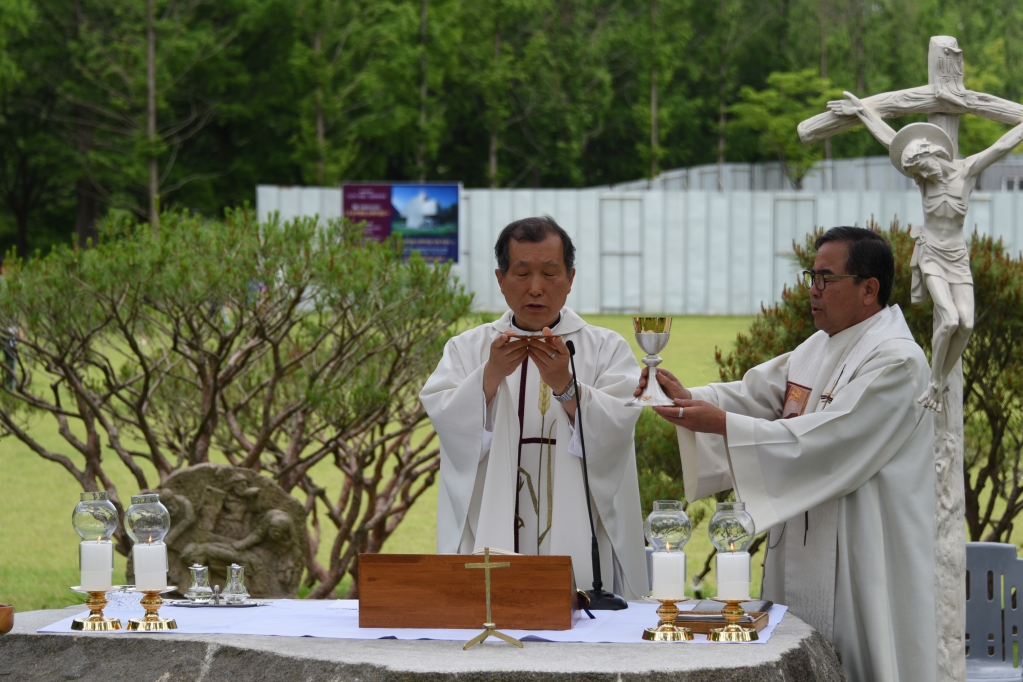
(821, 280)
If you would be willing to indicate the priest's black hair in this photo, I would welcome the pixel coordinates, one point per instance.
(870, 255)
(533, 230)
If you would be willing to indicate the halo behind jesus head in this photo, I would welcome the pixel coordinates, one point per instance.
(928, 132)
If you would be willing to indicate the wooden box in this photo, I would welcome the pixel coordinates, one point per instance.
(438, 591)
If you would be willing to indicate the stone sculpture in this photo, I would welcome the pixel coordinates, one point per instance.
(941, 261)
(222, 515)
(929, 154)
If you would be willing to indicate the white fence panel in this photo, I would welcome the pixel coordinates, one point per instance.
(673, 264)
(694, 252)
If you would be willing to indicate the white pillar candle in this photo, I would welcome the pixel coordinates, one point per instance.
(150, 561)
(669, 569)
(96, 561)
(733, 575)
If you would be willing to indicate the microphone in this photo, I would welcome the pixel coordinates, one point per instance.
(599, 599)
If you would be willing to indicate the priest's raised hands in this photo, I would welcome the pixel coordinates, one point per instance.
(506, 356)
(550, 355)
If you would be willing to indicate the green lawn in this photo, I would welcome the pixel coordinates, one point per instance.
(38, 547)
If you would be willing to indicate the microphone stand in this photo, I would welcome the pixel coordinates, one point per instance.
(599, 599)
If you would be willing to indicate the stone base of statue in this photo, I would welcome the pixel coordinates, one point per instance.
(950, 531)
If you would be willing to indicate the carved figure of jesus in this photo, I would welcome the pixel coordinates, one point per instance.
(941, 260)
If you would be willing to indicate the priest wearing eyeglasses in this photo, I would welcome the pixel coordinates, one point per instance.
(830, 450)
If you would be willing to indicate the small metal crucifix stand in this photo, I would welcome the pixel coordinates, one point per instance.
(491, 628)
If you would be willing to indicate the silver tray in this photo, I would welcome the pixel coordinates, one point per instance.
(184, 603)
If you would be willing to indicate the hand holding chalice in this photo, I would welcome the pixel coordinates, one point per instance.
(652, 334)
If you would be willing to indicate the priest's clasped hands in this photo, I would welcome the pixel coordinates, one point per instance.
(549, 355)
(696, 415)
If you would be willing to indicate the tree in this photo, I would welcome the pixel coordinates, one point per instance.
(439, 31)
(543, 93)
(662, 37)
(732, 25)
(36, 168)
(339, 59)
(33, 162)
(15, 18)
(775, 111)
(288, 349)
(993, 409)
(564, 89)
(493, 67)
(132, 97)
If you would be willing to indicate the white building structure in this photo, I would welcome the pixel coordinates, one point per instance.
(659, 251)
(867, 174)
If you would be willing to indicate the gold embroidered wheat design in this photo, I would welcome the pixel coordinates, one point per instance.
(543, 405)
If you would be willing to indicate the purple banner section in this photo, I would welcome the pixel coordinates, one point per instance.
(424, 216)
(371, 203)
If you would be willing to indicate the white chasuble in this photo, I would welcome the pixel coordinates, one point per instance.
(829, 449)
(516, 483)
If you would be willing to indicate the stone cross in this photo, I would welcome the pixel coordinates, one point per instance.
(944, 99)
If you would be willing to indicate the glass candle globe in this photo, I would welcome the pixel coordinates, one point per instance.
(668, 527)
(731, 528)
(147, 520)
(95, 517)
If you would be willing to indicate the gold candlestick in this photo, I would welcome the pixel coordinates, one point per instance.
(732, 632)
(666, 630)
(95, 621)
(151, 622)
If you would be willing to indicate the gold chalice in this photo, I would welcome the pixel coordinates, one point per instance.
(652, 334)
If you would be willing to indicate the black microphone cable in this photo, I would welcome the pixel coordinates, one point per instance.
(599, 600)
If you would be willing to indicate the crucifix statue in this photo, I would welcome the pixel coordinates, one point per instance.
(928, 153)
(925, 152)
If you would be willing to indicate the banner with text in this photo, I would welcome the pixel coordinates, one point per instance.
(425, 215)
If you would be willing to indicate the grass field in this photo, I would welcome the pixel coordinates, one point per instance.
(38, 546)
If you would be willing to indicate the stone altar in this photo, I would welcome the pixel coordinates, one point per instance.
(795, 653)
(222, 515)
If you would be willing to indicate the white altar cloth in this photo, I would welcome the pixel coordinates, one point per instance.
(339, 619)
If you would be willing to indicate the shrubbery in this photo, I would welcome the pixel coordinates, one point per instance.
(288, 349)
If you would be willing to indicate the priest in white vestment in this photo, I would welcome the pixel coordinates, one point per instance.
(504, 407)
(830, 450)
